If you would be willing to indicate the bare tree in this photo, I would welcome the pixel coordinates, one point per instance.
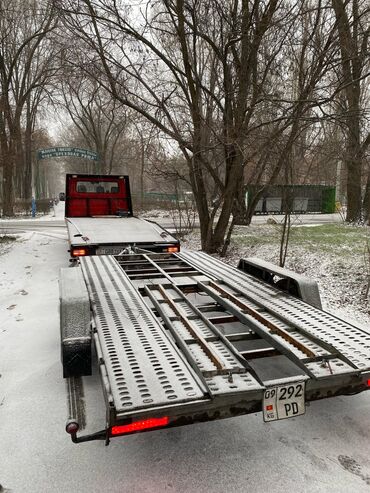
(192, 69)
(353, 24)
(144, 139)
(100, 119)
(237, 84)
(306, 59)
(24, 27)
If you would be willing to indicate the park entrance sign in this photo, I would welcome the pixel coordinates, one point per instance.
(51, 152)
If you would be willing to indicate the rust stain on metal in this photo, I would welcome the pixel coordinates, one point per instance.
(274, 329)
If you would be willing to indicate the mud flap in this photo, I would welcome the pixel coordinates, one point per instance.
(75, 328)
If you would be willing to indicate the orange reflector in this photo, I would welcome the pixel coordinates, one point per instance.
(145, 424)
(173, 249)
(79, 252)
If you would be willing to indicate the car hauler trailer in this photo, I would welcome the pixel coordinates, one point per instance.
(183, 338)
(100, 220)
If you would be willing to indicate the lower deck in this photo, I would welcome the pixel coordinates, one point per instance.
(187, 337)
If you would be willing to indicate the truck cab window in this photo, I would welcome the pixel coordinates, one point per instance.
(97, 187)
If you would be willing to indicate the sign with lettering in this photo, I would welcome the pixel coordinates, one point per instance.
(67, 152)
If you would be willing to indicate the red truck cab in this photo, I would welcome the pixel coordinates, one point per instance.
(96, 195)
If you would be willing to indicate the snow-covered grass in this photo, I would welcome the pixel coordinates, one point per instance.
(154, 214)
(6, 242)
(332, 254)
(4, 238)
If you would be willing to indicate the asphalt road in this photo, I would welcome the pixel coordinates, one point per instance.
(327, 450)
(57, 223)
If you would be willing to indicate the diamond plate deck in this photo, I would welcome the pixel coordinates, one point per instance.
(144, 367)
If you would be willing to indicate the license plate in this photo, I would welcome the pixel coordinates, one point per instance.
(284, 401)
(110, 250)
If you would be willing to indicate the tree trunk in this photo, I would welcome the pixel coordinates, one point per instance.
(354, 167)
(234, 178)
(27, 177)
(37, 180)
(200, 197)
(353, 63)
(7, 186)
(240, 213)
(251, 207)
(142, 169)
(366, 202)
(19, 163)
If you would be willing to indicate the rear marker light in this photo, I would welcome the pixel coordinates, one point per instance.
(81, 252)
(173, 249)
(72, 427)
(368, 383)
(145, 424)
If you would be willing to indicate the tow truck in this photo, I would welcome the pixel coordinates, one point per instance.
(100, 219)
(181, 337)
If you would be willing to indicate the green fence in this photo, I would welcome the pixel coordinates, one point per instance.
(276, 199)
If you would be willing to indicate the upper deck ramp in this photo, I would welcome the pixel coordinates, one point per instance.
(100, 230)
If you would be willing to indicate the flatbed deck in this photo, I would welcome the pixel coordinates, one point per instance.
(190, 338)
(115, 232)
(111, 235)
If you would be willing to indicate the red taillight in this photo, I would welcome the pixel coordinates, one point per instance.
(79, 252)
(145, 424)
(173, 249)
(368, 383)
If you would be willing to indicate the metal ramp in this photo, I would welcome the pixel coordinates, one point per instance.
(144, 367)
(303, 321)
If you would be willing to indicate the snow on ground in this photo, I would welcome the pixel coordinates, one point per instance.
(155, 214)
(325, 451)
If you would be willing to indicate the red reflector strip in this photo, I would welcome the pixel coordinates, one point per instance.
(81, 252)
(145, 424)
(173, 249)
